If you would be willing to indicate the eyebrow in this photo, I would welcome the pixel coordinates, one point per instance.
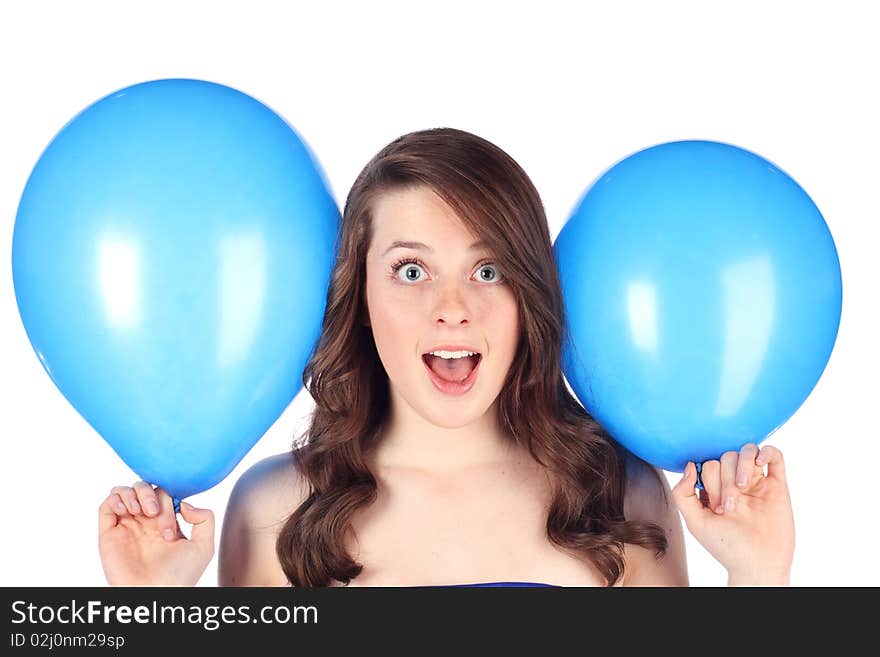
(401, 244)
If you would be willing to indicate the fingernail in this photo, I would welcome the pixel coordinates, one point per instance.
(120, 508)
(135, 507)
(151, 506)
(719, 509)
(168, 534)
(729, 504)
(741, 480)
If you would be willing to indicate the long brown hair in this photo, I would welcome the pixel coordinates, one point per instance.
(497, 202)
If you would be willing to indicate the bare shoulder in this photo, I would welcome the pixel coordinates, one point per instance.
(260, 503)
(649, 499)
(270, 489)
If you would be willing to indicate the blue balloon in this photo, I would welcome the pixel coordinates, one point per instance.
(171, 257)
(703, 294)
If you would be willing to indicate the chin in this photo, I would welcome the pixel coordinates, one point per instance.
(453, 414)
(450, 421)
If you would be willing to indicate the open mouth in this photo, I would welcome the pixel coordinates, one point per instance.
(452, 370)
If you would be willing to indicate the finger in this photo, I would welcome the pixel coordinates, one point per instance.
(109, 511)
(729, 492)
(167, 520)
(685, 497)
(115, 502)
(147, 497)
(129, 497)
(772, 458)
(747, 469)
(202, 521)
(711, 475)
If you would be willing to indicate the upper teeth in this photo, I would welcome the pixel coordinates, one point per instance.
(452, 354)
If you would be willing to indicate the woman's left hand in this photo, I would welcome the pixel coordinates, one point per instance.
(743, 517)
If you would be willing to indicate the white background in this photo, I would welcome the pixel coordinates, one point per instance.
(567, 92)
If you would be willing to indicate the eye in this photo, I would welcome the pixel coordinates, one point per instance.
(410, 267)
(493, 274)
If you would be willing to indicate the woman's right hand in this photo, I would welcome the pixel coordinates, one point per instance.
(141, 543)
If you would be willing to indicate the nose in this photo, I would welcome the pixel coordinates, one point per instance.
(450, 306)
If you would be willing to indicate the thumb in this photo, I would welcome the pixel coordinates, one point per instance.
(202, 521)
(685, 498)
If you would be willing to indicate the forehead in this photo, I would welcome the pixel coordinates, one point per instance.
(415, 214)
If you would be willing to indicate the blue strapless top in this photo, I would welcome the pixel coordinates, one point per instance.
(499, 584)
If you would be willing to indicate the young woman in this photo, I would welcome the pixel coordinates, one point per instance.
(445, 447)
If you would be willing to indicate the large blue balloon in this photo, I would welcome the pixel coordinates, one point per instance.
(703, 295)
(171, 257)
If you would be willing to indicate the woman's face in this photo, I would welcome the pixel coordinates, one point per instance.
(443, 293)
